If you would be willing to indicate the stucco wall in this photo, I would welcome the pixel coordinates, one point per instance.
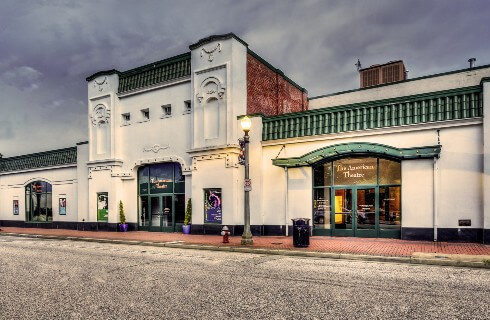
(64, 184)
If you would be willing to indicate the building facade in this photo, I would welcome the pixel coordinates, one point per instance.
(407, 159)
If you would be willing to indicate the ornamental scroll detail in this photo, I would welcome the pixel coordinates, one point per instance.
(155, 148)
(100, 84)
(211, 88)
(101, 114)
(211, 52)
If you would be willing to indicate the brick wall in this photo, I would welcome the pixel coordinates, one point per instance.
(269, 93)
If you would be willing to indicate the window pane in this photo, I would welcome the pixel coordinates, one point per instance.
(355, 171)
(389, 172)
(321, 208)
(322, 174)
(179, 179)
(161, 178)
(389, 207)
(143, 178)
(144, 212)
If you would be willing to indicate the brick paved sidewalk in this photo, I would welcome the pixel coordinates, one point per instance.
(367, 246)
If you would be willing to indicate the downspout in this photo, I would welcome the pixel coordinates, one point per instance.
(435, 189)
(286, 201)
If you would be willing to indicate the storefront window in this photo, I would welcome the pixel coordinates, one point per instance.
(389, 172)
(364, 198)
(39, 202)
(322, 175)
(321, 208)
(355, 171)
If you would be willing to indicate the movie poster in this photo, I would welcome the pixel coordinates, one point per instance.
(16, 207)
(102, 206)
(212, 206)
(62, 206)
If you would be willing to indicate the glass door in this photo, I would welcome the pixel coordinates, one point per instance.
(342, 213)
(167, 214)
(155, 213)
(366, 212)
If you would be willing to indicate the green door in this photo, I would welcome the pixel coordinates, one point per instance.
(167, 214)
(343, 204)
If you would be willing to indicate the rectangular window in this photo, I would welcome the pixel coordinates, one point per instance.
(188, 106)
(167, 111)
(321, 208)
(126, 118)
(102, 206)
(146, 114)
(212, 205)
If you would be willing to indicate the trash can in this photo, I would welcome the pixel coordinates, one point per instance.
(301, 232)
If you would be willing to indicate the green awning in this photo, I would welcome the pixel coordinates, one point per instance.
(360, 148)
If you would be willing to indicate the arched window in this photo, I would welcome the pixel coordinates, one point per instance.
(39, 202)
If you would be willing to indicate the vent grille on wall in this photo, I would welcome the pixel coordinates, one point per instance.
(380, 74)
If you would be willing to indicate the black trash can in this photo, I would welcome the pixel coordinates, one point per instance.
(301, 232)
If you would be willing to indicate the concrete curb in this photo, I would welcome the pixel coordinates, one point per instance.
(280, 252)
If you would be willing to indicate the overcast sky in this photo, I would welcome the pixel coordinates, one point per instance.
(48, 48)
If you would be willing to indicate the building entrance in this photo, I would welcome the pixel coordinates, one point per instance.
(357, 197)
(161, 197)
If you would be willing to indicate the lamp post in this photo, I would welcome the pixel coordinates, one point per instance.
(246, 123)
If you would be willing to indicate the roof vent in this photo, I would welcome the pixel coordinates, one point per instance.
(392, 71)
(472, 62)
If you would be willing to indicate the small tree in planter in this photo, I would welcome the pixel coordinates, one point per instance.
(186, 228)
(123, 226)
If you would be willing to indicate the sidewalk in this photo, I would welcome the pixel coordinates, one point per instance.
(329, 247)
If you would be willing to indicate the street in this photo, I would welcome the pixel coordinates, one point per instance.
(56, 279)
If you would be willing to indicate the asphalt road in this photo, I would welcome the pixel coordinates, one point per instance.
(53, 279)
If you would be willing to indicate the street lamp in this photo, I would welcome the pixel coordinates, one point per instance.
(246, 124)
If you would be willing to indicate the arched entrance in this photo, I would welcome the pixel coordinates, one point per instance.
(161, 197)
(357, 196)
(39, 202)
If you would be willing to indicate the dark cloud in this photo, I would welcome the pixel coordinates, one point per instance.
(49, 47)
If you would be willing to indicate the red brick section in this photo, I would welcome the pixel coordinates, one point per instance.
(385, 247)
(269, 93)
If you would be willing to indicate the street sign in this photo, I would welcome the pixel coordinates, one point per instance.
(247, 185)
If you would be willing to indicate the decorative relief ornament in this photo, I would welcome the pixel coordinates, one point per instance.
(155, 148)
(210, 53)
(100, 114)
(211, 87)
(100, 84)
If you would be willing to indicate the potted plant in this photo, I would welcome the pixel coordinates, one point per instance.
(123, 226)
(186, 228)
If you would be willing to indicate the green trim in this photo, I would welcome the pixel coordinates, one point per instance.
(217, 37)
(461, 103)
(102, 73)
(44, 159)
(360, 148)
(154, 73)
(403, 81)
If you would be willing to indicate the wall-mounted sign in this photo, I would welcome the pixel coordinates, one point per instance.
(247, 185)
(16, 207)
(212, 205)
(62, 206)
(161, 185)
(102, 206)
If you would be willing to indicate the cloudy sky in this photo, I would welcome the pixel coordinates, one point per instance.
(47, 48)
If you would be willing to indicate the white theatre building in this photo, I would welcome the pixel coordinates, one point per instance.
(399, 158)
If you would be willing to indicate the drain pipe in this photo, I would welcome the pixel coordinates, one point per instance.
(286, 200)
(434, 187)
